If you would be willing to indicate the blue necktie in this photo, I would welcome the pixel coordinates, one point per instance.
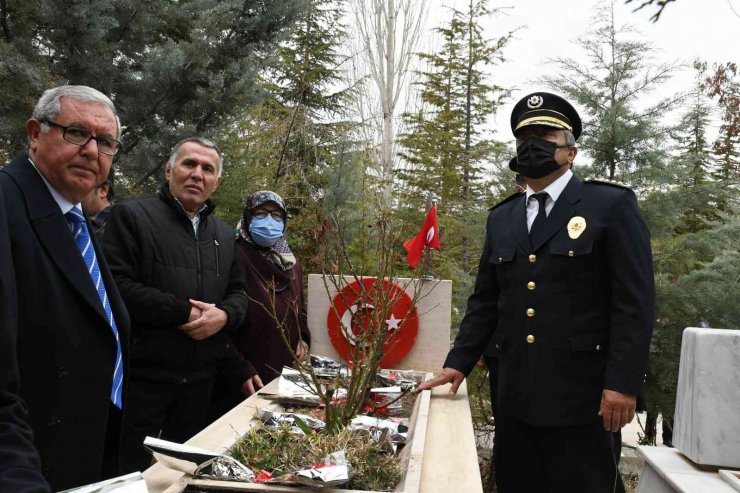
(82, 238)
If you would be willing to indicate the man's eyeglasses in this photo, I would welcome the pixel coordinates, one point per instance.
(80, 137)
(262, 213)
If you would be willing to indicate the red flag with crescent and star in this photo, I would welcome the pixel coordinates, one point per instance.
(428, 237)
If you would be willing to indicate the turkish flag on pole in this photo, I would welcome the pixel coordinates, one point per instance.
(428, 237)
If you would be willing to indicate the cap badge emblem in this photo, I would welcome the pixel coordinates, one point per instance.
(576, 226)
(534, 102)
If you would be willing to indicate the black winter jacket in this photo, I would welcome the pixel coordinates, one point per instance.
(159, 264)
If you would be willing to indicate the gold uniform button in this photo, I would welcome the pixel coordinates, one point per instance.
(571, 253)
(531, 285)
(533, 258)
(530, 312)
(530, 339)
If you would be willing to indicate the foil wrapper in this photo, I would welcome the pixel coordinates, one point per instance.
(328, 367)
(198, 462)
(276, 420)
(405, 379)
(225, 469)
(334, 470)
(383, 431)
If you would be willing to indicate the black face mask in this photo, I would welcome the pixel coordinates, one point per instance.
(535, 158)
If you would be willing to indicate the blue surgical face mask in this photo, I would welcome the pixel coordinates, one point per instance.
(266, 231)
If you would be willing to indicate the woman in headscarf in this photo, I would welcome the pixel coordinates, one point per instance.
(274, 280)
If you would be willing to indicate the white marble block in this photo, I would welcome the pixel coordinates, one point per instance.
(707, 418)
(434, 310)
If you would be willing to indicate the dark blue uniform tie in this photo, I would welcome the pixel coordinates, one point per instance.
(539, 221)
(84, 243)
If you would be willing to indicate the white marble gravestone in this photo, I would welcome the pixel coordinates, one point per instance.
(434, 310)
(707, 417)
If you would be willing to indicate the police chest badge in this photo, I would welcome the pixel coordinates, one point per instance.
(576, 227)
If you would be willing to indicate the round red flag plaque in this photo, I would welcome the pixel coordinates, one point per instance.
(352, 313)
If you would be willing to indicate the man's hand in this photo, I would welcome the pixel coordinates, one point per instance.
(448, 375)
(210, 321)
(194, 314)
(251, 385)
(301, 350)
(617, 409)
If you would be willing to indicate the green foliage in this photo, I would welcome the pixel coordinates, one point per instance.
(173, 69)
(295, 142)
(694, 225)
(623, 142)
(447, 145)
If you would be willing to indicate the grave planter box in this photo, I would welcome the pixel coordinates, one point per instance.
(411, 455)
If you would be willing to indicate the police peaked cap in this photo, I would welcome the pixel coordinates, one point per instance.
(543, 108)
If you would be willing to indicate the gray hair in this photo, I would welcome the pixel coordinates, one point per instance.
(49, 105)
(569, 139)
(201, 141)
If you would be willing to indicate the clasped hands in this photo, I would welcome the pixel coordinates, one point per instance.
(204, 321)
(616, 409)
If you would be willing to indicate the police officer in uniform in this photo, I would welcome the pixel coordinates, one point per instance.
(564, 300)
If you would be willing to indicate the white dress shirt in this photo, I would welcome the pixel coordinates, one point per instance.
(64, 204)
(553, 190)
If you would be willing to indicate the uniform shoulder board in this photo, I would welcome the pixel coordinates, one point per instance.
(507, 199)
(609, 183)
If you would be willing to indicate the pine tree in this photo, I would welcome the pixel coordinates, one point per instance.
(296, 141)
(447, 144)
(172, 69)
(624, 142)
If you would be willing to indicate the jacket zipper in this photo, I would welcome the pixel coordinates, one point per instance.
(218, 266)
(197, 264)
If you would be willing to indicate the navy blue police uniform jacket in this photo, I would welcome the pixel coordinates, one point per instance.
(568, 317)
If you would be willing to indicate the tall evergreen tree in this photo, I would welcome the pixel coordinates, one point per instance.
(296, 141)
(172, 68)
(623, 141)
(693, 233)
(447, 144)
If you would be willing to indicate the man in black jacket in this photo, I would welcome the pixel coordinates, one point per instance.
(175, 266)
(564, 300)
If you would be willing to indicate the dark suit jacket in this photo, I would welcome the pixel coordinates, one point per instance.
(568, 317)
(19, 462)
(66, 349)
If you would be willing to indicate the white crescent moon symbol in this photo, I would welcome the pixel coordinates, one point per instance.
(430, 234)
(346, 321)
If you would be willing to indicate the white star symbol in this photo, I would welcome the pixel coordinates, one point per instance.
(393, 323)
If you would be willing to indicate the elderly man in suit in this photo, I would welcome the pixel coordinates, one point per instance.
(72, 324)
(564, 302)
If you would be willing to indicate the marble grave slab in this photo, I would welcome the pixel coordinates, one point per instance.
(707, 417)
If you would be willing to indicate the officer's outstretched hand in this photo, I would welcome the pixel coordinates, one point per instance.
(448, 375)
(617, 409)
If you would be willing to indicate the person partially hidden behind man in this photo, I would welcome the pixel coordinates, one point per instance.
(72, 326)
(97, 204)
(563, 303)
(174, 263)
